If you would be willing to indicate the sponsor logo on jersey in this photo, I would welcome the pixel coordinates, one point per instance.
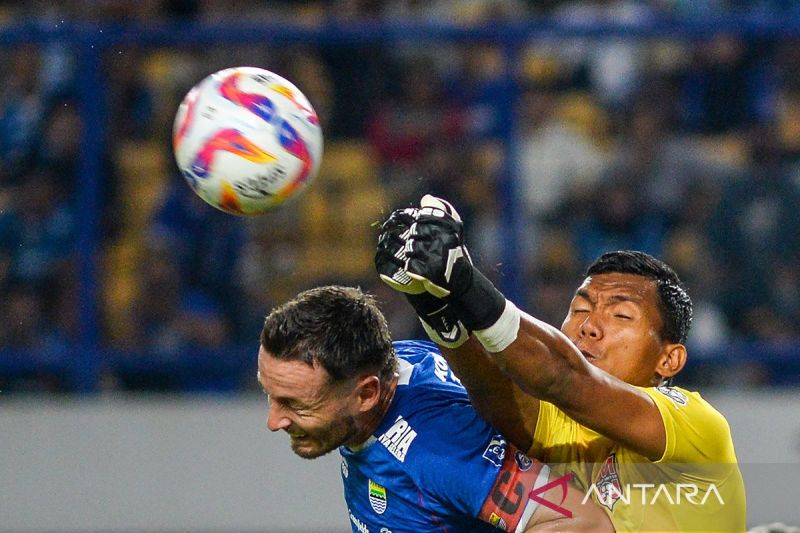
(677, 397)
(523, 461)
(609, 488)
(361, 526)
(377, 497)
(398, 438)
(496, 451)
(345, 469)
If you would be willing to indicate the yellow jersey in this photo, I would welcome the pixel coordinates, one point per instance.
(695, 486)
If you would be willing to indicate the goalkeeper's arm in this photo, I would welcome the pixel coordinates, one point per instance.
(539, 358)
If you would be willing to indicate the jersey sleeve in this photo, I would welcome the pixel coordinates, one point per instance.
(465, 466)
(696, 432)
(461, 466)
(553, 426)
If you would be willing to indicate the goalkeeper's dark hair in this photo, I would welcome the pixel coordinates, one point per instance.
(340, 328)
(673, 302)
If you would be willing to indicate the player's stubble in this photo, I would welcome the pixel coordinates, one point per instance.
(324, 440)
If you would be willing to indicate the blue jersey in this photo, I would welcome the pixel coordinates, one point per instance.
(433, 465)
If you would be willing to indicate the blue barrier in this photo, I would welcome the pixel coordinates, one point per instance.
(85, 362)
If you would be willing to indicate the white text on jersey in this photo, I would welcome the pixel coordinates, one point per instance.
(398, 439)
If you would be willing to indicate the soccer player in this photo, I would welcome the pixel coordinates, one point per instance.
(594, 399)
(416, 457)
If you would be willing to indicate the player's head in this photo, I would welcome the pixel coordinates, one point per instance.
(631, 317)
(327, 363)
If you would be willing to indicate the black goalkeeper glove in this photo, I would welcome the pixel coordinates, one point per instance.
(438, 259)
(436, 315)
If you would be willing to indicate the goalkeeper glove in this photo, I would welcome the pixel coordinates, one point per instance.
(436, 316)
(438, 259)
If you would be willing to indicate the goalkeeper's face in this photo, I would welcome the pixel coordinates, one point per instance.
(615, 321)
(319, 416)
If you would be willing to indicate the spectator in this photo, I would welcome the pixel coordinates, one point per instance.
(719, 93)
(407, 125)
(756, 247)
(22, 105)
(25, 324)
(556, 157)
(38, 238)
(205, 244)
(619, 222)
(27, 333)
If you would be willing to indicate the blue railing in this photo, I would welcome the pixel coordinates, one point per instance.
(83, 362)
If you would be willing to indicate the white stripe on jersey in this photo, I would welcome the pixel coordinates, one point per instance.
(406, 369)
(541, 479)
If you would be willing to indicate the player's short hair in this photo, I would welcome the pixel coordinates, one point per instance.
(673, 302)
(340, 328)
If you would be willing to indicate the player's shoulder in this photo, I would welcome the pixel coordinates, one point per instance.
(428, 398)
(681, 398)
(689, 413)
(690, 403)
(424, 371)
(415, 351)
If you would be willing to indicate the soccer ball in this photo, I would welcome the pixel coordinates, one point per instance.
(246, 140)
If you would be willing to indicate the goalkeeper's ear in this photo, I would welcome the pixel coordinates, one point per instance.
(433, 202)
(670, 362)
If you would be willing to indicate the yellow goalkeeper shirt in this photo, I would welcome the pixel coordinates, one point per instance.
(695, 486)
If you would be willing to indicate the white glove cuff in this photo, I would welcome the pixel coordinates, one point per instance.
(499, 335)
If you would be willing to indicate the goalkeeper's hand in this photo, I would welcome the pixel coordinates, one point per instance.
(437, 256)
(436, 315)
(440, 261)
(390, 257)
(430, 253)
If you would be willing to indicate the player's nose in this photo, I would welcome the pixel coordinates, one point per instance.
(591, 328)
(277, 419)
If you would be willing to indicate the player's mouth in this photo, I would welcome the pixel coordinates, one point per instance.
(589, 356)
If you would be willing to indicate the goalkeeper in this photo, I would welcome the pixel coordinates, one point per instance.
(594, 397)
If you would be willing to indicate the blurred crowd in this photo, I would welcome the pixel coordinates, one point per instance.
(687, 149)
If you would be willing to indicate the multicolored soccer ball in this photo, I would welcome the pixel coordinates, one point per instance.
(246, 140)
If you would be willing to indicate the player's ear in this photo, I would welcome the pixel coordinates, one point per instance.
(672, 360)
(367, 392)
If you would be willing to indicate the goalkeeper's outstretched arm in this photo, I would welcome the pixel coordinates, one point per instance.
(538, 358)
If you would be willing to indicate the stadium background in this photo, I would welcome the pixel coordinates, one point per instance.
(559, 129)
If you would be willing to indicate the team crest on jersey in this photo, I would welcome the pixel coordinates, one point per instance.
(677, 397)
(377, 497)
(496, 451)
(609, 488)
